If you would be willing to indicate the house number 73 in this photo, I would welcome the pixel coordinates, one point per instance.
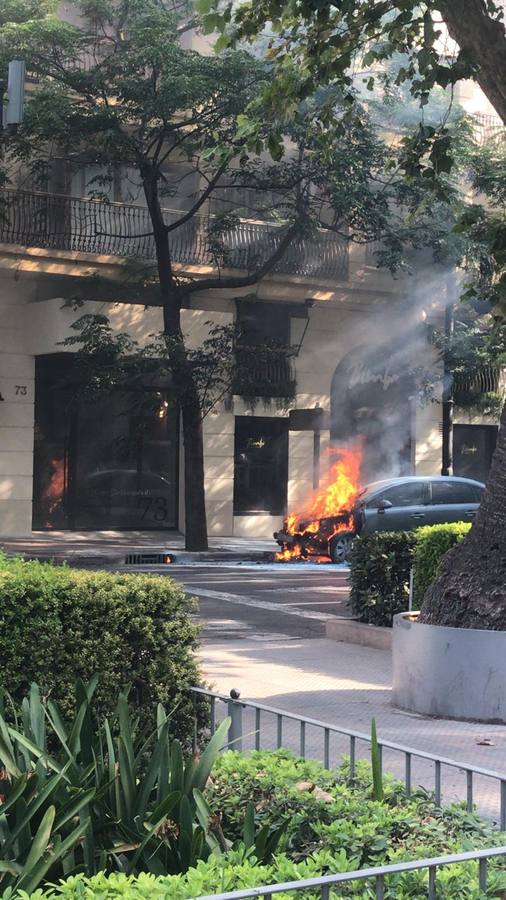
(21, 390)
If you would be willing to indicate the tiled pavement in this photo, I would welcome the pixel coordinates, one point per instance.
(349, 685)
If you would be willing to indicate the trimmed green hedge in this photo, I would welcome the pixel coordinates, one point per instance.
(60, 624)
(380, 564)
(379, 575)
(432, 542)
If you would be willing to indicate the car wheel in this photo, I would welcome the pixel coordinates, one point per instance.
(340, 546)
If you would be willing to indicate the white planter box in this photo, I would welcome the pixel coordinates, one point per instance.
(457, 673)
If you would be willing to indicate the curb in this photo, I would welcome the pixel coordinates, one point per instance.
(177, 557)
(184, 556)
(349, 631)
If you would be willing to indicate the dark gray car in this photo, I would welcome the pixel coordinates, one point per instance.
(396, 504)
(400, 504)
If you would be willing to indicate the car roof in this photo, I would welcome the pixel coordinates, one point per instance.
(374, 486)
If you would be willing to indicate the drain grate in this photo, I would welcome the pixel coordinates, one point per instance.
(148, 559)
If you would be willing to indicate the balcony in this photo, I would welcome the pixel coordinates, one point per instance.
(275, 378)
(468, 389)
(54, 221)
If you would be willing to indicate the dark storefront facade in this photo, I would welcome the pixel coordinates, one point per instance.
(110, 463)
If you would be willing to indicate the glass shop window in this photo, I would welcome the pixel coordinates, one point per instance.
(260, 465)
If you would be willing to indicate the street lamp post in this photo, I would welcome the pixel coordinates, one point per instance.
(13, 114)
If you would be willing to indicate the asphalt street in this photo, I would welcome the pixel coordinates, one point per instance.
(265, 601)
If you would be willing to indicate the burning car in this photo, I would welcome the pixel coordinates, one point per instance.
(328, 537)
(395, 504)
(329, 523)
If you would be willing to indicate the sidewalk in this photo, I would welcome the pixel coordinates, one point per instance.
(348, 685)
(99, 548)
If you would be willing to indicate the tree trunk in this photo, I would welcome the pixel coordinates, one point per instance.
(483, 40)
(194, 488)
(470, 592)
(193, 440)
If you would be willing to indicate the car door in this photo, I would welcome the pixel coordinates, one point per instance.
(453, 500)
(409, 504)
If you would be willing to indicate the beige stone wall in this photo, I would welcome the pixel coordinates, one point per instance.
(16, 416)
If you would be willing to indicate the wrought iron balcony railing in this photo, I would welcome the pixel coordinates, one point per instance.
(35, 219)
(486, 381)
(274, 378)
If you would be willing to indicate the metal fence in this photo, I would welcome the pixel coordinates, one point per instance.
(257, 726)
(379, 875)
(37, 219)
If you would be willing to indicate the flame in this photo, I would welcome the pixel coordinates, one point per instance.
(338, 494)
(56, 487)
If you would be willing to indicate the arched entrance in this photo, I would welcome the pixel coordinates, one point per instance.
(372, 397)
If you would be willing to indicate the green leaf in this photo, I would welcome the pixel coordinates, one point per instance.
(41, 840)
(377, 777)
(210, 755)
(248, 833)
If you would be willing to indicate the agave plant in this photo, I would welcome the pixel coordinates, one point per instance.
(81, 797)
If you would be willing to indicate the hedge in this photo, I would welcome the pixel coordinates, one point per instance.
(60, 624)
(380, 564)
(379, 575)
(432, 542)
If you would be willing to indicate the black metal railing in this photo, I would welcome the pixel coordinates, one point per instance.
(36, 219)
(486, 381)
(488, 128)
(273, 378)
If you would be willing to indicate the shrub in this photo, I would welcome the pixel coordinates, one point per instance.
(432, 542)
(334, 826)
(379, 575)
(79, 797)
(380, 566)
(63, 624)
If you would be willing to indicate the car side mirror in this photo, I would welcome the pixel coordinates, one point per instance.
(383, 505)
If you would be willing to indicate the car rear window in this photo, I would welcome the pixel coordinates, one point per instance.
(444, 492)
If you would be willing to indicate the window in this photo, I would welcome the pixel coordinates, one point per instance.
(270, 374)
(444, 492)
(261, 321)
(473, 448)
(412, 493)
(111, 463)
(260, 465)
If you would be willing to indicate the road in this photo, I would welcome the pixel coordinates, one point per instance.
(265, 600)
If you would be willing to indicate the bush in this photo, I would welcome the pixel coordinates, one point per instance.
(334, 826)
(432, 542)
(379, 575)
(59, 624)
(121, 799)
(380, 566)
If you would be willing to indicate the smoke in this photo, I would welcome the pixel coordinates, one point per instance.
(386, 368)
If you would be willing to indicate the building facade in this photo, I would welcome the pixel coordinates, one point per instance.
(116, 463)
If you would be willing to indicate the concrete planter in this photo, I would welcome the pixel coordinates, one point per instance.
(457, 673)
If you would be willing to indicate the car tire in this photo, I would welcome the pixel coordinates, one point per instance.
(340, 545)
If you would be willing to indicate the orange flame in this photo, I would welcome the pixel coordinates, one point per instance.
(55, 489)
(338, 494)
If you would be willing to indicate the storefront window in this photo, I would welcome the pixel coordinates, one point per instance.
(107, 464)
(473, 448)
(260, 465)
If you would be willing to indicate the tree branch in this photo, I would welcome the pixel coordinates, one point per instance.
(202, 199)
(206, 284)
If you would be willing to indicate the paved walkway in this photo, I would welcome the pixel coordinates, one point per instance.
(349, 685)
